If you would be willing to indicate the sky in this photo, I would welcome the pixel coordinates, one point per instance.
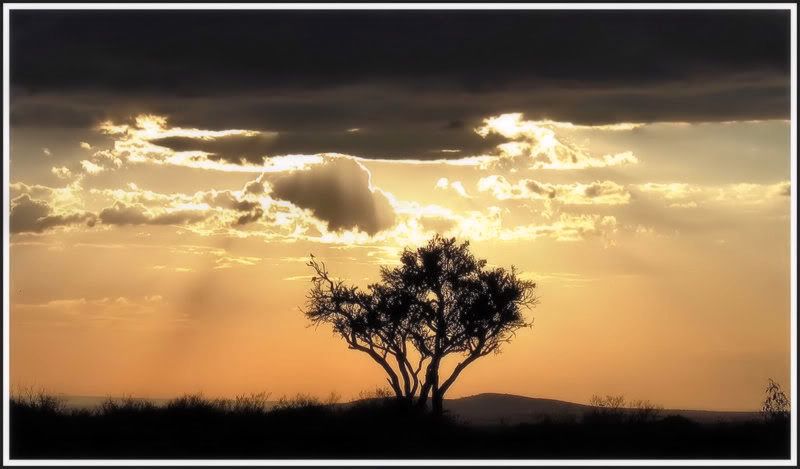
(172, 171)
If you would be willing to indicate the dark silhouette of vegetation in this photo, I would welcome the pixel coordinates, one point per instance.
(439, 301)
(614, 410)
(376, 426)
(776, 406)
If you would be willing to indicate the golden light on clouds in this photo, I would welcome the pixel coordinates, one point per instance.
(173, 241)
(535, 144)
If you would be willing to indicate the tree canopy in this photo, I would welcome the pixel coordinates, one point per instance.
(439, 301)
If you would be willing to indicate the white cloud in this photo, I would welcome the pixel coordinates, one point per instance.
(456, 186)
(598, 192)
(91, 168)
(684, 195)
(61, 172)
(535, 145)
(136, 143)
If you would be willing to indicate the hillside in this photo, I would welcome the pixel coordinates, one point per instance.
(492, 408)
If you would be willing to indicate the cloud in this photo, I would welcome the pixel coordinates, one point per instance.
(338, 192)
(717, 64)
(607, 192)
(439, 225)
(62, 173)
(444, 184)
(253, 216)
(226, 199)
(133, 195)
(230, 208)
(35, 216)
(567, 228)
(598, 192)
(248, 210)
(615, 127)
(85, 146)
(149, 139)
(748, 193)
(669, 191)
(47, 152)
(782, 189)
(254, 187)
(535, 145)
(62, 199)
(243, 148)
(229, 261)
(418, 221)
(37, 191)
(122, 214)
(91, 168)
(685, 195)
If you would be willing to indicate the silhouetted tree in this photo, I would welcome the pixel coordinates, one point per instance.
(439, 301)
(644, 411)
(776, 405)
(605, 410)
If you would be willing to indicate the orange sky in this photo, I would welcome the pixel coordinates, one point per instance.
(661, 253)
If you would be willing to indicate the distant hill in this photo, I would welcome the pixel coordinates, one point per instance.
(494, 408)
(491, 408)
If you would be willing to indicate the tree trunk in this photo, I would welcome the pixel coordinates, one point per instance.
(431, 382)
(437, 403)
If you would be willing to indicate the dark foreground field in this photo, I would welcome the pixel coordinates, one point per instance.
(196, 428)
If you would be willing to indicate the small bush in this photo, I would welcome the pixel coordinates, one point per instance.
(256, 403)
(38, 400)
(125, 406)
(196, 404)
(299, 401)
(614, 410)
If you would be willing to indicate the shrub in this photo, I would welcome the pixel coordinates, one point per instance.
(255, 403)
(776, 405)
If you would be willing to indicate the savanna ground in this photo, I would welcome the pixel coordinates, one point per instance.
(42, 427)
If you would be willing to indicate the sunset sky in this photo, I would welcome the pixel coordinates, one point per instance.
(171, 172)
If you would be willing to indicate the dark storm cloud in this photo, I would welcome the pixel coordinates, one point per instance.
(153, 50)
(414, 82)
(234, 148)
